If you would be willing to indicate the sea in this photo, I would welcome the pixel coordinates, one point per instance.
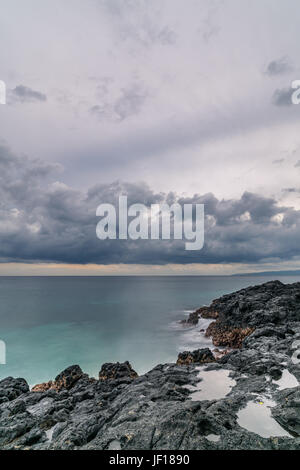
(50, 323)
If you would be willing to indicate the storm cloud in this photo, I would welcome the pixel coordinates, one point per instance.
(24, 94)
(44, 220)
(279, 67)
(283, 97)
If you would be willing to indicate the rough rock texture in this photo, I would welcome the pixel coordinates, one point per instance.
(201, 356)
(155, 411)
(223, 335)
(204, 312)
(117, 371)
(65, 379)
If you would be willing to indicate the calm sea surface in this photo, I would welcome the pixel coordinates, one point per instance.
(49, 323)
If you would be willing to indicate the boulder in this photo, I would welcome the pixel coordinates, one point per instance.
(201, 356)
(117, 371)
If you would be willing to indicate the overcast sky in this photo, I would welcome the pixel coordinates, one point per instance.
(189, 97)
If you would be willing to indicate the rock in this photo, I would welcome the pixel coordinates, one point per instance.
(201, 356)
(11, 388)
(192, 319)
(226, 336)
(65, 380)
(208, 312)
(68, 377)
(287, 412)
(44, 387)
(116, 371)
(203, 312)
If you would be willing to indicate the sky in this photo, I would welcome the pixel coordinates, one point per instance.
(162, 100)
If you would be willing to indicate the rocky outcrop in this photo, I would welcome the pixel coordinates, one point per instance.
(11, 388)
(204, 312)
(258, 306)
(201, 356)
(65, 380)
(163, 409)
(117, 371)
(226, 336)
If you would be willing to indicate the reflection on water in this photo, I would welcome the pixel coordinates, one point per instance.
(287, 380)
(256, 417)
(213, 385)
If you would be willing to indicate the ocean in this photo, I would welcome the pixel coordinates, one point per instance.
(50, 323)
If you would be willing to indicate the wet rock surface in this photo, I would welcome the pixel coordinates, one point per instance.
(156, 411)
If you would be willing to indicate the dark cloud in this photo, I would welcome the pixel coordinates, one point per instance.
(45, 221)
(279, 67)
(24, 94)
(278, 162)
(283, 97)
(290, 190)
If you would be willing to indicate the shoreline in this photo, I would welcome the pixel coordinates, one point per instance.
(201, 402)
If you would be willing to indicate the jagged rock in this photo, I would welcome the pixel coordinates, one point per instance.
(226, 336)
(287, 412)
(65, 380)
(192, 319)
(201, 356)
(11, 388)
(68, 377)
(204, 312)
(110, 371)
(44, 387)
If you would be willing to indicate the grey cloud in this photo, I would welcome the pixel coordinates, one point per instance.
(129, 103)
(290, 190)
(45, 221)
(279, 161)
(139, 24)
(297, 165)
(24, 94)
(279, 67)
(209, 29)
(283, 97)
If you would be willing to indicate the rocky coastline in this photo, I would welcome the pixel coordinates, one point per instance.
(244, 396)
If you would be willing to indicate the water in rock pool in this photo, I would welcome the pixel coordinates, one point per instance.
(256, 417)
(49, 323)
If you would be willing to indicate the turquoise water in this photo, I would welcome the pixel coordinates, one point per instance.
(49, 323)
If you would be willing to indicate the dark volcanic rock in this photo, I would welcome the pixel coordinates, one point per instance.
(204, 312)
(117, 371)
(66, 379)
(201, 356)
(11, 388)
(257, 306)
(226, 336)
(192, 319)
(155, 411)
(287, 412)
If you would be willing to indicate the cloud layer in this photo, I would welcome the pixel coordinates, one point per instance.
(43, 220)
